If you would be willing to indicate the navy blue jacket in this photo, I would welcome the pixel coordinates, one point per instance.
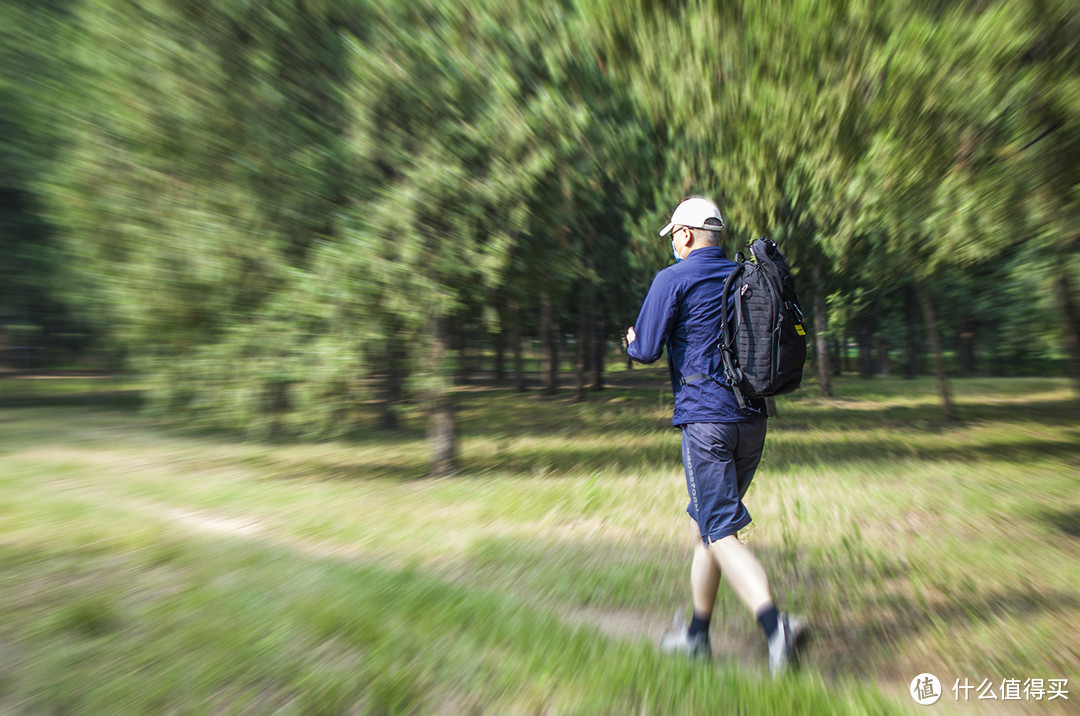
(682, 310)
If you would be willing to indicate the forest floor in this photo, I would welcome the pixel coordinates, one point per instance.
(147, 568)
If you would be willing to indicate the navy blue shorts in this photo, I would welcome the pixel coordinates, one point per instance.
(720, 460)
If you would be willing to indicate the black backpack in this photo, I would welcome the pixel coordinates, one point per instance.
(762, 338)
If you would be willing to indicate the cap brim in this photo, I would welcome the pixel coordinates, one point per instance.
(664, 231)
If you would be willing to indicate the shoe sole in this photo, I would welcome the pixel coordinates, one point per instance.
(801, 641)
(679, 652)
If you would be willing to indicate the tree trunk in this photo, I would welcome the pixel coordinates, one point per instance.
(599, 353)
(1072, 325)
(549, 342)
(468, 351)
(865, 343)
(834, 348)
(392, 381)
(498, 370)
(583, 353)
(580, 358)
(883, 358)
(520, 381)
(914, 347)
(390, 396)
(543, 331)
(455, 343)
(441, 435)
(554, 346)
(770, 407)
(966, 347)
(932, 332)
(821, 342)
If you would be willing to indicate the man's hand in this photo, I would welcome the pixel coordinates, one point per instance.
(630, 335)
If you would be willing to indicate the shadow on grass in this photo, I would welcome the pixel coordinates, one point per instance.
(616, 420)
(822, 454)
(864, 612)
(510, 414)
(406, 466)
(505, 413)
(624, 452)
(802, 416)
(634, 457)
(310, 469)
(869, 638)
(1068, 521)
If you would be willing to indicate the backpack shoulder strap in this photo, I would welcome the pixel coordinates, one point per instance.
(732, 373)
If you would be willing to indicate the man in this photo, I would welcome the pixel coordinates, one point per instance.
(721, 442)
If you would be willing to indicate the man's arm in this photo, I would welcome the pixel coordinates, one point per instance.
(646, 338)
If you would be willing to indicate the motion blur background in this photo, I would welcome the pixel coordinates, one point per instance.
(274, 210)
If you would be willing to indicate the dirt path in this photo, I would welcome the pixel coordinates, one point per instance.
(626, 625)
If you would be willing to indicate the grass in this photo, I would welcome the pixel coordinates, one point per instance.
(150, 570)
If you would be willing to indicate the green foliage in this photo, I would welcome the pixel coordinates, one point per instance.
(29, 287)
(269, 209)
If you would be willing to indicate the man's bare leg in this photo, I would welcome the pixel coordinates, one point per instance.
(743, 571)
(704, 581)
(751, 585)
(704, 575)
(731, 557)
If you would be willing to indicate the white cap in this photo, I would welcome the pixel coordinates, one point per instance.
(694, 212)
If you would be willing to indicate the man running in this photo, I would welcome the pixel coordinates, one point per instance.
(721, 442)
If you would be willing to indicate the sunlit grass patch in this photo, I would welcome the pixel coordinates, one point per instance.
(245, 576)
(225, 624)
